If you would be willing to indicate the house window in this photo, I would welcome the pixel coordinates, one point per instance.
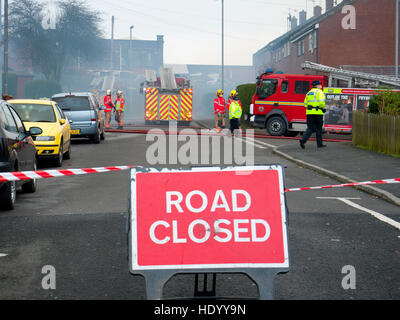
(315, 39)
(300, 47)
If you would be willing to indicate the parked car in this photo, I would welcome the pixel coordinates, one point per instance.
(55, 141)
(85, 114)
(17, 153)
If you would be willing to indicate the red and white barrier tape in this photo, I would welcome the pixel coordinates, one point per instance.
(397, 180)
(44, 174)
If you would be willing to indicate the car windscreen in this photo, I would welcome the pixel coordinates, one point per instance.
(35, 112)
(73, 103)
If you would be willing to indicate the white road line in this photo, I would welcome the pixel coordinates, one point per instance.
(2, 255)
(375, 214)
(253, 143)
(265, 144)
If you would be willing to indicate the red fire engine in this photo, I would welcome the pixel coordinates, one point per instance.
(168, 98)
(278, 104)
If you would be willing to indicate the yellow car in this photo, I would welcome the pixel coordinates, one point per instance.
(55, 141)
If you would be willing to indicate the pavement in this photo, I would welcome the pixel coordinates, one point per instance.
(343, 162)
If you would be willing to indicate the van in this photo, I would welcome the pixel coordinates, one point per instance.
(84, 113)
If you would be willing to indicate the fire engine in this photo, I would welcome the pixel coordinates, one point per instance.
(278, 104)
(167, 97)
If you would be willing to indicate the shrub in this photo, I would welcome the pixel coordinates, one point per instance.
(386, 102)
(246, 92)
(36, 89)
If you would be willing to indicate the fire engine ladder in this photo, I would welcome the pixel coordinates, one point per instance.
(352, 77)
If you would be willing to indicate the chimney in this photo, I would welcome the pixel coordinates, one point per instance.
(293, 23)
(317, 11)
(329, 4)
(302, 17)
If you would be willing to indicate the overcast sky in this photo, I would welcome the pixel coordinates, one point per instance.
(192, 28)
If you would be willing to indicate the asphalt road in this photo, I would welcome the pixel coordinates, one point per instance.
(78, 224)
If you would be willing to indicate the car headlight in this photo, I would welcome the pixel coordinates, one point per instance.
(45, 138)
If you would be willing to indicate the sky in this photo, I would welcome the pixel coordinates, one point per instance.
(192, 28)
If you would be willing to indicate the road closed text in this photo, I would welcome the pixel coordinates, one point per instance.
(209, 225)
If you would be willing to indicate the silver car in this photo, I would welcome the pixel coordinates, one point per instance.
(84, 113)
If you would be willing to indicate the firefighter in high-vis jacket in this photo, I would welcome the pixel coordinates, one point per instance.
(235, 111)
(315, 109)
(219, 110)
(109, 107)
(119, 109)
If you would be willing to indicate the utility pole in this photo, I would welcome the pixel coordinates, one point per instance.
(112, 43)
(5, 38)
(222, 48)
(397, 40)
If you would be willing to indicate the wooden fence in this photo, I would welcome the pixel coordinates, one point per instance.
(375, 132)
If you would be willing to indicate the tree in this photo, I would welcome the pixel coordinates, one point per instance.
(76, 32)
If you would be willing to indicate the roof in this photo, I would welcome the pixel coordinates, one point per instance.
(305, 27)
(77, 94)
(31, 101)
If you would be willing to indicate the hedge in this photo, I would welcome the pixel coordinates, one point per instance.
(246, 93)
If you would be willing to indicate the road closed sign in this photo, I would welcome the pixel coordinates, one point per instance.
(208, 218)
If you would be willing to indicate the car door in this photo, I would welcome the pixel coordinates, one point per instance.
(65, 127)
(301, 87)
(100, 113)
(20, 143)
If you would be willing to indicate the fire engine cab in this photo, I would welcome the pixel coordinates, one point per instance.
(278, 104)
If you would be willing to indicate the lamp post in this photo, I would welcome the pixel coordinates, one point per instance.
(222, 46)
(5, 38)
(397, 40)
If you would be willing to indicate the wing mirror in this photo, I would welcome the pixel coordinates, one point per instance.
(35, 131)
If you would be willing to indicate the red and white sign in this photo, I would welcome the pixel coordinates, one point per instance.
(208, 218)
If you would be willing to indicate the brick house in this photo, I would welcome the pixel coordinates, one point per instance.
(369, 47)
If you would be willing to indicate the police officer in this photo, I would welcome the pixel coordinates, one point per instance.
(315, 109)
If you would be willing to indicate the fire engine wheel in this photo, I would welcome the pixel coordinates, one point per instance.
(276, 126)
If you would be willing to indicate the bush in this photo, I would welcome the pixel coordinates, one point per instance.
(386, 102)
(36, 89)
(246, 93)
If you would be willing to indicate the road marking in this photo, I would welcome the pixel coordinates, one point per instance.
(266, 144)
(2, 255)
(375, 214)
(254, 143)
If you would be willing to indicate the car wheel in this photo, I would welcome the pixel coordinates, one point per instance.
(96, 138)
(8, 194)
(276, 126)
(31, 186)
(67, 155)
(60, 156)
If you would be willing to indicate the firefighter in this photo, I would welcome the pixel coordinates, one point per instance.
(219, 110)
(120, 108)
(235, 111)
(315, 109)
(109, 107)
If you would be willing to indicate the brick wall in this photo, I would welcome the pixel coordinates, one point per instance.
(372, 43)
